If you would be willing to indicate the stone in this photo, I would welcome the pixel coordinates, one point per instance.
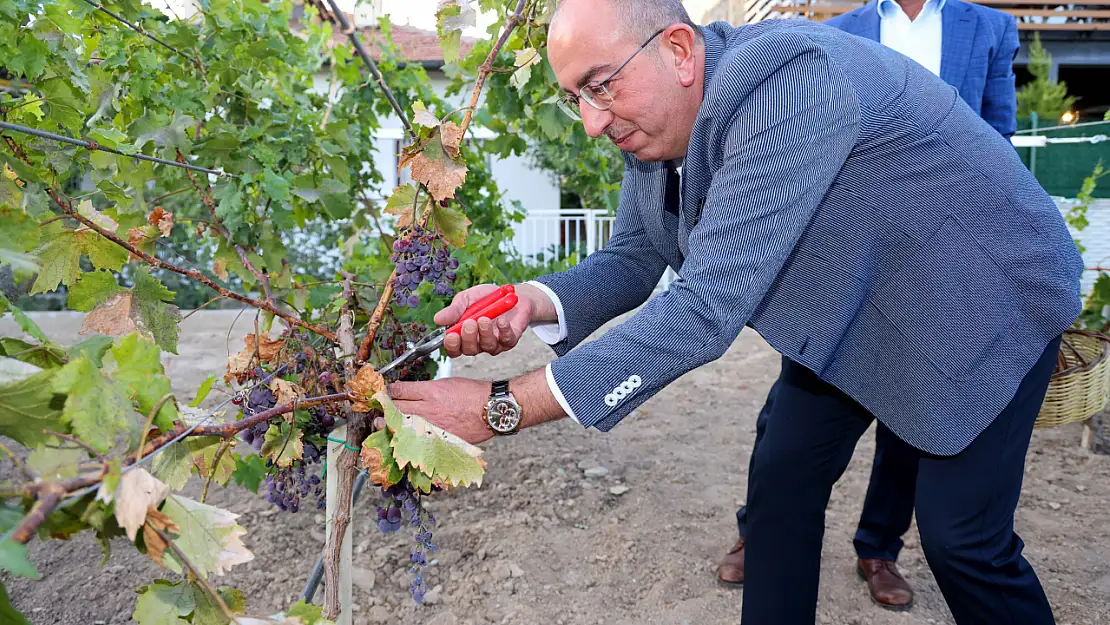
(596, 472)
(619, 490)
(1053, 505)
(433, 596)
(378, 614)
(482, 554)
(501, 571)
(443, 618)
(515, 571)
(363, 578)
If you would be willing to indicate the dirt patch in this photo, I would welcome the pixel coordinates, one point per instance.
(542, 543)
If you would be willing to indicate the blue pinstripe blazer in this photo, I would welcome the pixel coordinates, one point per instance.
(846, 204)
(978, 45)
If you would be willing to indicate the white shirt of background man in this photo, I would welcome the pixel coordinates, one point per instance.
(918, 39)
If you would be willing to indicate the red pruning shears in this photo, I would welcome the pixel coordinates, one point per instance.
(491, 306)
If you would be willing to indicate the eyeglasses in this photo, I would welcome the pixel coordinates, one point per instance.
(595, 92)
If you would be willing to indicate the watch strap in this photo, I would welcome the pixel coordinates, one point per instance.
(500, 387)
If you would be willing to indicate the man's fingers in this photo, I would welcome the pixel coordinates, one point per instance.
(506, 335)
(452, 343)
(454, 310)
(487, 337)
(404, 391)
(470, 338)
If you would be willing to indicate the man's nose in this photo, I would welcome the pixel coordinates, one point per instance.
(594, 121)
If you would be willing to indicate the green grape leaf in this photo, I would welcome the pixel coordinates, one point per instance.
(25, 323)
(282, 444)
(445, 457)
(451, 18)
(208, 612)
(164, 603)
(28, 406)
(92, 348)
(65, 107)
(419, 480)
(8, 614)
(208, 536)
(550, 120)
(249, 471)
(308, 613)
(103, 253)
(275, 186)
(97, 408)
(13, 559)
(41, 356)
(402, 199)
(60, 255)
(173, 466)
(55, 463)
(108, 486)
(139, 310)
(452, 223)
(91, 289)
(139, 368)
(202, 392)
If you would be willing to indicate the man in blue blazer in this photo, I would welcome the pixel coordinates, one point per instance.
(769, 165)
(972, 48)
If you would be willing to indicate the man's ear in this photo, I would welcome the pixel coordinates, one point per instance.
(681, 42)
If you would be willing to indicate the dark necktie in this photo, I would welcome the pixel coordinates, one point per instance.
(670, 193)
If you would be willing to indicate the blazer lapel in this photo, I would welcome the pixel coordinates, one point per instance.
(866, 23)
(958, 24)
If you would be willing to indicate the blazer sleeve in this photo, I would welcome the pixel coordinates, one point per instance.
(781, 147)
(610, 282)
(999, 94)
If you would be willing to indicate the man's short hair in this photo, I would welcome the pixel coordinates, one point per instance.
(640, 19)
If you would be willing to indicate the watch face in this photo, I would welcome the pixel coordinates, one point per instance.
(503, 415)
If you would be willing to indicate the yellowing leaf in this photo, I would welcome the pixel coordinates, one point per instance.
(136, 493)
(112, 317)
(444, 457)
(377, 455)
(220, 268)
(401, 204)
(208, 536)
(283, 444)
(173, 466)
(162, 219)
(366, 384)
(203, 451)
(423, 116)
(434, 167)
(285, 392)
(28, 406)
(164, 603)
(140, 310)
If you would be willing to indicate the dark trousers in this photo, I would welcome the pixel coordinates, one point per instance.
(888, 506)
(965, 505)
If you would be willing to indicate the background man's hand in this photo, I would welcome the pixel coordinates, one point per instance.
(454, 404)
(491, 336)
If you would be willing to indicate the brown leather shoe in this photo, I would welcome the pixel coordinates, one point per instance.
(888, 588)
(731, 570)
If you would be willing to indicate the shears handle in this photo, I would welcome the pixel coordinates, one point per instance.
(491, 306)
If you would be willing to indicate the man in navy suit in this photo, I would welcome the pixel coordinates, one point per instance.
(770, 166)
(972, 48)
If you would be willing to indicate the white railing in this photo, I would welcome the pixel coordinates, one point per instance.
(567, 234)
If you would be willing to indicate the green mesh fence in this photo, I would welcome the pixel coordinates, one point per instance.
(1061, 167)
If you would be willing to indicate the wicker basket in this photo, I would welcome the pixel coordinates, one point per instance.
(1080, 387)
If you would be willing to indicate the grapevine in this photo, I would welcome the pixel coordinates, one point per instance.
(143, 152)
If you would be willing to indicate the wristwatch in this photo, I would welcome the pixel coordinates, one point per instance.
(503, 413)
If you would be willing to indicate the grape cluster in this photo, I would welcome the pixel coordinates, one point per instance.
(258, 400)
(401, 500)
(286, 487)
(421, 255)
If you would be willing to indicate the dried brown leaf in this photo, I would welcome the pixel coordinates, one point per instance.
(452, 138)
(162, 219)
(439, 173)
(240, 363)
(367, 382)
(155, 546)
(373, 459)
(112, 318)
(136, 493)
(220, 268)
(286, 392)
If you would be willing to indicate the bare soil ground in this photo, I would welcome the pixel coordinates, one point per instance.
(540, 543)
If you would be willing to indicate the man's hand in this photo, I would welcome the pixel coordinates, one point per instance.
(454, 404)
(492, 336)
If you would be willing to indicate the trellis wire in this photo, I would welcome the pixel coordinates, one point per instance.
(264, 380)
(1031, 130)
(93, 145)
(142, 31)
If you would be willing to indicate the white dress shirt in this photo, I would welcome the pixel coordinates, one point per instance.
(919, 39)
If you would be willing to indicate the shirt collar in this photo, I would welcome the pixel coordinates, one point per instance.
(888, 8)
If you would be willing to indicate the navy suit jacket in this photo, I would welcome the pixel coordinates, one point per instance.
(846, 204)
(978, 45)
